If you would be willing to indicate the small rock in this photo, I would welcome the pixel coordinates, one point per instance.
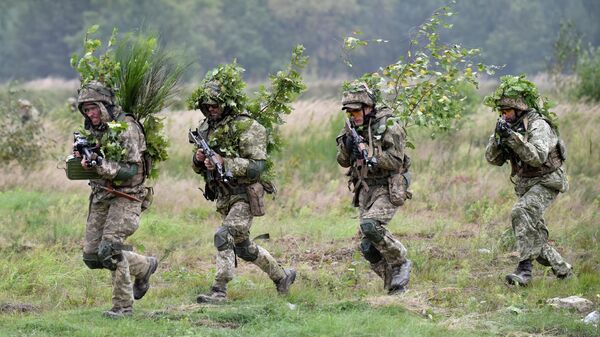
(572, 302)
(592, 318)
(291, 306)
(484, 251)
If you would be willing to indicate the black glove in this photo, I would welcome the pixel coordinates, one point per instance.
(503, 129)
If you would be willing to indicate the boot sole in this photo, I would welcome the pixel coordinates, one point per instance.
(515, 281)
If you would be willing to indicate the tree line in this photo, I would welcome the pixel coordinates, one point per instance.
(38, 36)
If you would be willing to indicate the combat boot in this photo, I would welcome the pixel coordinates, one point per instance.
(400, 278)
(384, 271)
(142, 284)
(522, 275)
(215, 295)
(283, 285)
(119, 312)
(565, 276)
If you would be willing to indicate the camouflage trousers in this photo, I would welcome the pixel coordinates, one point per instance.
(238, 221)
(530, 229)
(114, 219)
(375, 204)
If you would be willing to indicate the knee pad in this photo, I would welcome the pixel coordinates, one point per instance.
(222, 241)
(246, 250)
(369, 251)
(92, 261)
(369, 228)
(109, 254)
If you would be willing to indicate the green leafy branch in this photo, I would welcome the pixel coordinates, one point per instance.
(425, 87)
(103, 68)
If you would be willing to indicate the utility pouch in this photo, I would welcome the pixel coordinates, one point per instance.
(562, 149)
(148, 198)
(256, 197)
(398, 188)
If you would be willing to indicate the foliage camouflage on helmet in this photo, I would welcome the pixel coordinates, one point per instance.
(518, 92)
(356, 94)
(225, 86)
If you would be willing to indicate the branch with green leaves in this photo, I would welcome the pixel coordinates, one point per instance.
(425, 87)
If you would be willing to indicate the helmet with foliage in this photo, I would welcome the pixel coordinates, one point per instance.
(516, 103)
(356, 94)
(224, 86)
(519, 93)
(95, 91)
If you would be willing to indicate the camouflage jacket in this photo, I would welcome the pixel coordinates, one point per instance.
(534, 147)
(386, 144)
(242, 142)
(132, 166)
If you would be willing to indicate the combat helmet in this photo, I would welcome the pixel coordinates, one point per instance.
(357, 94)
(95, 91)
(512, 103)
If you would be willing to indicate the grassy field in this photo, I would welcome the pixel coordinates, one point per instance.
(456, 229)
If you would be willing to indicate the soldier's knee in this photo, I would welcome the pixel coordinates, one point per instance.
(369, 227)
(221, 239)
(246, 250)
(518, 213)
(369, 251)
(92, 261)
(109, 254)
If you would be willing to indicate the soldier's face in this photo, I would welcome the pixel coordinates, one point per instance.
(92, 111)
(358, 115)
(214, 111)
(509, 115)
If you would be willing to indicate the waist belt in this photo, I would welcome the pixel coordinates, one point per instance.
(232, 190)
(376, 181)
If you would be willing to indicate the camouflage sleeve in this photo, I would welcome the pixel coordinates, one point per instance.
(535, 149)
(494, 153)
(392, 155)
(252, 146)
(133, 142)
(343, 154)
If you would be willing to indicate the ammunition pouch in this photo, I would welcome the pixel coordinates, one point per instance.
(148, 198)
(369, 229)
(246, 250)
(92, 261)
(398, 187)
(110, 253)
(369, 251)
(256, 196)
(221, 239)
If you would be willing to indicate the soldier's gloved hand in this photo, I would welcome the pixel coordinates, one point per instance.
(503, 129)
(348, 142)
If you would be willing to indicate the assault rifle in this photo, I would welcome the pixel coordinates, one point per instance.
(195, 138)
(502, 130)
(357, 140)
(89, 152)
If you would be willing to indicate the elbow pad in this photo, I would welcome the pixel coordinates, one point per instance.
(126, 172)
(255, 168)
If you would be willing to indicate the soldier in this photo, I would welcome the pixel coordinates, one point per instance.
(379, 176)
(529, 141)
(27, 110)
(236, 190)
(115, 201)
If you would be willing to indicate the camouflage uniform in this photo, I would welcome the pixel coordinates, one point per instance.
(536, 154)
(244, 165)
(385, 254)
(112, 219)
